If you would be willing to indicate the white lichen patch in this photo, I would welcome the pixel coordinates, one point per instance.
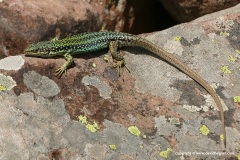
(104, 89)
(205, 108)
(210, 104)
(41, 85)
(11, 63)
(191, 108)
(175, 121)
(7, 82)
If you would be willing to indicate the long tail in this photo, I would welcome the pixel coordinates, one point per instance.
(184, 68)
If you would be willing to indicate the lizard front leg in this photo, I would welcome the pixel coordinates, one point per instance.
(63, 69)
(118, 58)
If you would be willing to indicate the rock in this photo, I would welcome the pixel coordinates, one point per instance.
(24, 22)
(86, 114)
(188, 10)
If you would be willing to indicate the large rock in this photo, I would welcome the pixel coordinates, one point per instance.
(187, 10)
(39, 113)
(28, 21)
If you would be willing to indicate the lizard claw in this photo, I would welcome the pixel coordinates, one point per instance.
(60, 71)
(63, 69)
(119, 65)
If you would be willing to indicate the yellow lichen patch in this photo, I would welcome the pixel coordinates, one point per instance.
(165, 153)
(204, 130)
(134, 130)
(225, 69)
(95, 125)
(91, 127)
(222, 137)
(94, 65)
(2, 88)
(239, 156)
(112, 146)
(177, 38)
(224, 33)
(237, 51)
(144, 136)
(83, 119)
(105, 58)
(236, 99)
(232, 59)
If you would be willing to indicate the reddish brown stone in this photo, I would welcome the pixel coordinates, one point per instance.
(187, 10)
(24, 22)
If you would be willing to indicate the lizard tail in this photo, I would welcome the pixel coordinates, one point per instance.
(184, 68)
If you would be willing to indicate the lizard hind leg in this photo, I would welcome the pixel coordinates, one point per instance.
(118, 58)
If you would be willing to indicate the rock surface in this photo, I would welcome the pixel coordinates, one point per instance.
(90, 113)
(187, 10)
(28, 21)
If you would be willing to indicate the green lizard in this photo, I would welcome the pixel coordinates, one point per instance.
(93, 41)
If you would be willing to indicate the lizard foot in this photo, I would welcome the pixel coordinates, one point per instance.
(60, 71)
(63, 69)
(119, 64)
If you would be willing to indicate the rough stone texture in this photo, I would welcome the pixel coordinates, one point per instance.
(24, 22)
(104, 89)
(28, 21)
(129, 15)
(40, 85)
(152, 97)
(187, 10)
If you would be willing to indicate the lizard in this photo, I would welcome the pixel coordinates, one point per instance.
(93, 41)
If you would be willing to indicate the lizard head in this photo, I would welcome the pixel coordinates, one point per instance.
(40, 49)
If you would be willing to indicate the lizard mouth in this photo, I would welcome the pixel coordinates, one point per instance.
(31, 53)
(36, 53)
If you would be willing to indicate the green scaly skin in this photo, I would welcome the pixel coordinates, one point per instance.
(93, 41)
